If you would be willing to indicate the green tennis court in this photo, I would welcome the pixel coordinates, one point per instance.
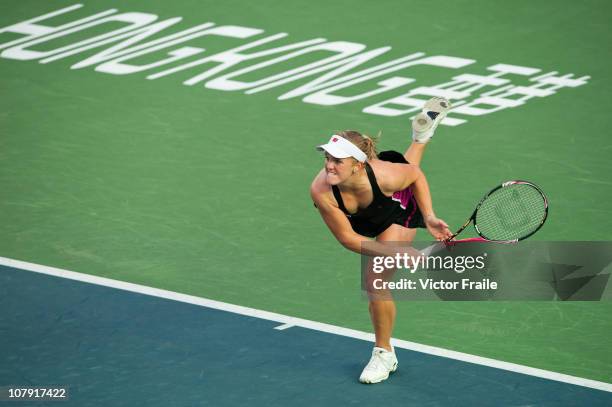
(177, 153)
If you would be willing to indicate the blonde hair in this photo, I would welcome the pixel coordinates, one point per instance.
(364, 142)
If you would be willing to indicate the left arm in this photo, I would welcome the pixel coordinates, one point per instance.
(416, 178)
(404, 175)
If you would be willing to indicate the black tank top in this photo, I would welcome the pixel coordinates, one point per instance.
(378, 216)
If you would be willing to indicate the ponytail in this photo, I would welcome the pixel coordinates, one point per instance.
(364, 142)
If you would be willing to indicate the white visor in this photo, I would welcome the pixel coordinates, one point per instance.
(340, 147)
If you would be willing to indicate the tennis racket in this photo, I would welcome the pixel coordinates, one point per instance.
(509, 213)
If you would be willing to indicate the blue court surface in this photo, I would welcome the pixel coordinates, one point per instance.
(119, 348)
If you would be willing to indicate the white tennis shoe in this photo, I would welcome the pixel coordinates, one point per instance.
(380, 365)
(424, 124)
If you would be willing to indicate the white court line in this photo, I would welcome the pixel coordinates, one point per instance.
(304, 323)
(284, 326)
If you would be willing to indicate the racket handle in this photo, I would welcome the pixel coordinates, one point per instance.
(470, 239)
(479, 239)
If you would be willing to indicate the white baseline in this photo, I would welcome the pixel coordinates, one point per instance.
(288, 321)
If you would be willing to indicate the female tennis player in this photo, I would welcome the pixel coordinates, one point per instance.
(361, 194)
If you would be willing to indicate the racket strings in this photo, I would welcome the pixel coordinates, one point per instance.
(510, 213)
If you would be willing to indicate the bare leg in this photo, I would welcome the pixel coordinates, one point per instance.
(414, 153)
(383, 312)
